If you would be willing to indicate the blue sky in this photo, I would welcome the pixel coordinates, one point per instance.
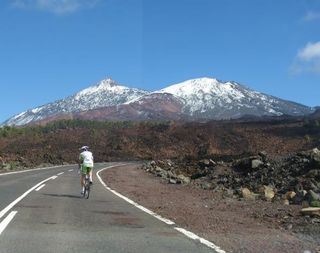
(50, 49)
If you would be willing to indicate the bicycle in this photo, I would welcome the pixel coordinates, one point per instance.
(86, 192)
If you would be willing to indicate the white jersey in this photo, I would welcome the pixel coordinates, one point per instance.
(87, 158)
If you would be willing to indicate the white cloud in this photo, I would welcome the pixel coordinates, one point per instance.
(310, 51)
(54, 6)
(311, 16)
(307, 59)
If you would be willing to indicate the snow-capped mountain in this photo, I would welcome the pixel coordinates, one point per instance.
(214, 99)
(202, 98)
(103, 94)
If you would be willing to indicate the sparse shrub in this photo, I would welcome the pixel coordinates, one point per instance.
(315, 203)
(12, 166)
(307, 138)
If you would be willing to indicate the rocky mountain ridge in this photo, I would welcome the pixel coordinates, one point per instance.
(196, 99)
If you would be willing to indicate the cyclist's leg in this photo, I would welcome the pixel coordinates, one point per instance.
(82, 183)
(82, 177)
(90, 173)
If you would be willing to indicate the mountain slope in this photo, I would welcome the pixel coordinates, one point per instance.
(149, 107)
(213, 99)
(105, 93)
(202, 98)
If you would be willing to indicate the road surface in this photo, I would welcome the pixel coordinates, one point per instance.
(54, 218)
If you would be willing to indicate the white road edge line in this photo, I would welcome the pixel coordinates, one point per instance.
(60, 173)
(201, 240)
(40, 187)
(54, 177)
(13, 203)
(167, 221)
(23, 171)
(6, 221)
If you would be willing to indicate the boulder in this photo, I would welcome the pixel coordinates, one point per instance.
(313, 155)
(313, 195)
(314, 186)
(160, 172)
(263, 155)
(212, 163)
(286, 202)
(247, 194)
(206, 163)
(207, 185)
(312, 211)
(267, 192)
(198, 175)
(316, 155)
(173, 181)
(158, 169)
(184, 179)
(305, 204)
(313, 174)
(299, 197)
(245, 164)
(289, 195)
(169, 163)
(228, 193)
(256, 163)
(170, 174)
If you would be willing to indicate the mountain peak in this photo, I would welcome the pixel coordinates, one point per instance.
(104, 85)
(204, 84)
(108, 82)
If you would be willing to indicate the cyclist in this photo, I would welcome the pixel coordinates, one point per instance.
(85, 165)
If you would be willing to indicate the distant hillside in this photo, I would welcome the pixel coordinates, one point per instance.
(59, 142)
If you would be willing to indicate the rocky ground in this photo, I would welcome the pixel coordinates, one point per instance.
(252, 204)
(59, 142)
(289, 179)
(210, 177)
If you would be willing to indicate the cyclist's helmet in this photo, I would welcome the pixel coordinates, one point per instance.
(84, 148)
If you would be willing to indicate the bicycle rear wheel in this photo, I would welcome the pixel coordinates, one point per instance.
(86, 188)
(87, 191)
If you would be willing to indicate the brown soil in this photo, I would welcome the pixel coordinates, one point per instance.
(153, 141)
(235, 226)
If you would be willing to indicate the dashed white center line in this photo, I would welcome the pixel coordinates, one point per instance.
(60, 173)
(6, 221)
(12, 204)
(70, 170)
(40, 187)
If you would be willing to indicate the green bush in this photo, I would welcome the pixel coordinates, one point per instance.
(52, 127)
(315, 203)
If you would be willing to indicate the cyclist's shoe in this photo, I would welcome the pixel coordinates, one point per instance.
(91, 182)
(82, 192)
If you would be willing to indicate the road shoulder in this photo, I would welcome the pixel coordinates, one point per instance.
(229, 223)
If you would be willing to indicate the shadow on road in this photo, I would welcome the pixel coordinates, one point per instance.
(63, 196)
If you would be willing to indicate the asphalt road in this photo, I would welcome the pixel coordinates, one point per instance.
(56, 218)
